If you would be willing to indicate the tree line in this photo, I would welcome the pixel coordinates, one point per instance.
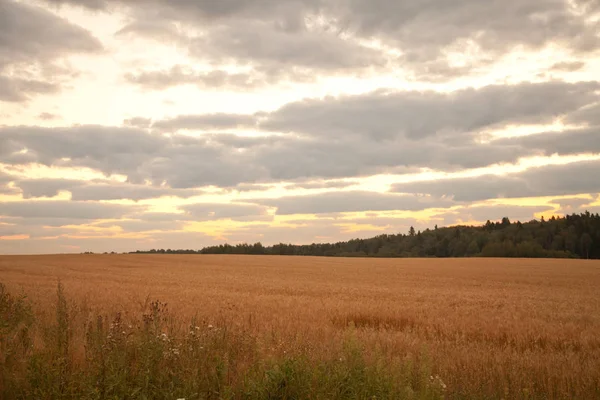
(572, 236)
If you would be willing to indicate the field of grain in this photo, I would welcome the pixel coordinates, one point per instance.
(487, 328)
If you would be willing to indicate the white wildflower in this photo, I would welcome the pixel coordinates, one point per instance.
(437, 381)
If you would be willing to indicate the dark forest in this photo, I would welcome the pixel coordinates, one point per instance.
(572, 236)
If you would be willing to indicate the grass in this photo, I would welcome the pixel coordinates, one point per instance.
(240, 327)
(150, 358)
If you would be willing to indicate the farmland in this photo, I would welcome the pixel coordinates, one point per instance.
(452, 328)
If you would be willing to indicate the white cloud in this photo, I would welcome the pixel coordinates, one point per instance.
(125, 124)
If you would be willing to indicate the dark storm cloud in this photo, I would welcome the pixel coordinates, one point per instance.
(320, 185)
(93, 4)
(181, 162)
(29, 33)
(5, 179)
(32, 188)
(64, 209)
(31, 36)
(352, 201)
(9, 230)
(175, 76)
(191, 162)
(46, 116)
(568, 66)
(346, 137)
(206, 121)
(249, 187)
(157, 29)
(208, 9)
(181, 75)
(17, 90)
(138, 122)
(574, 178)
(272, 35)
(586, 140)
(216, 211)
(325, 34)
(425, 27)
(357, 135)
(280, 48)
(127, 192)
(589, 115)
(106, 149)
(416, 115)
(332, 138)
(292, 158)
(83, 191)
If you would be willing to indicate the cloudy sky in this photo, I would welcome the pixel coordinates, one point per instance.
(131, 125)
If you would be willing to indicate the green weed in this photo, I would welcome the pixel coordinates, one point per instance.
(148, 358)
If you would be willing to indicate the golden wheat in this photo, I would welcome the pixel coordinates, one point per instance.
(488, 325)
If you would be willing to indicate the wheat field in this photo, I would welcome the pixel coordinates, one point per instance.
(485, 328)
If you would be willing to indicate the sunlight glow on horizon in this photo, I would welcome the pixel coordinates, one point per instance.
(98, 89)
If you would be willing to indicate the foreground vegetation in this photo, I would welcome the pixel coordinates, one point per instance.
(252, 327)
(574, 236)
(153, 358)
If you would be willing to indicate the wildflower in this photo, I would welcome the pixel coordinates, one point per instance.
(437, 381)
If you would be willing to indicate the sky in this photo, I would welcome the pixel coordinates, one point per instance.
(129, 125)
